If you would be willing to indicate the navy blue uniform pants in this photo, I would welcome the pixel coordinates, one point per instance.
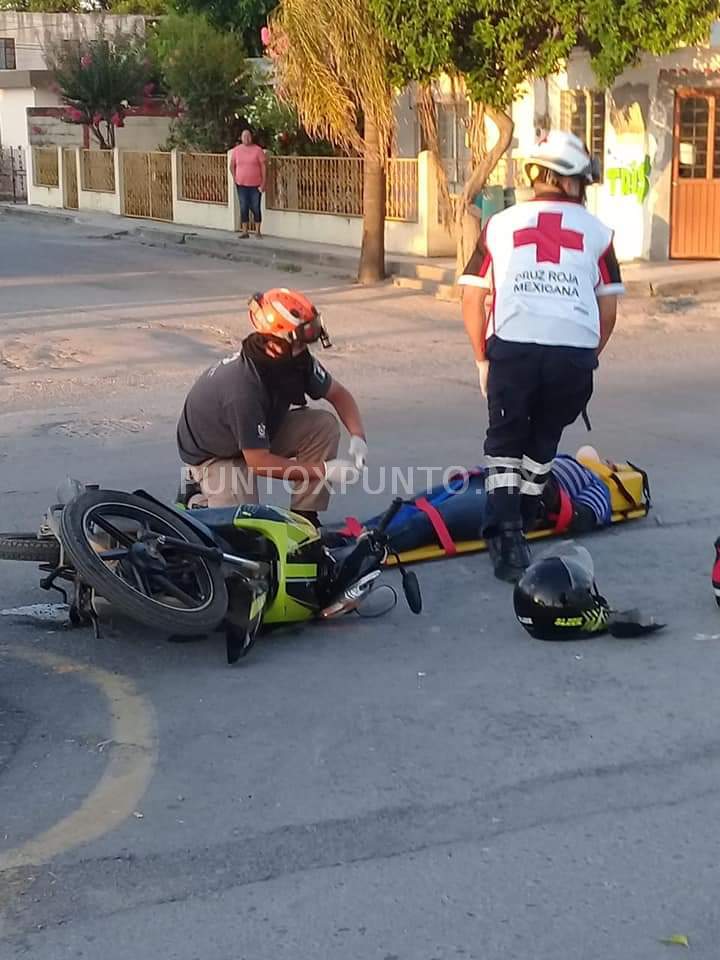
(534, 392)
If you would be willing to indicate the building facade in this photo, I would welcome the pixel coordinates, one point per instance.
(30, 111)
(656, 134)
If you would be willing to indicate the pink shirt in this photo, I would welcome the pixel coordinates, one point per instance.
(248, 165)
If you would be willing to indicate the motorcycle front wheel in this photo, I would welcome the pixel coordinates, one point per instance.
(111, 538)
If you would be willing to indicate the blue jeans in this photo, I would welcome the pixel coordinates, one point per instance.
(249, 198)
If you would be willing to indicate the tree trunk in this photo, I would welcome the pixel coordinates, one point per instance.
(466, 224)
(372, 251)
(97, 133)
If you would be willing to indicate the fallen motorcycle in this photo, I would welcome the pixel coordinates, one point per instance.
(190, 572)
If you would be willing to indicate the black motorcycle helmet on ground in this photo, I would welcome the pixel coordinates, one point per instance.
(556, 599)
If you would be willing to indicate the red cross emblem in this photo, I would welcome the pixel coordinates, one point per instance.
(549, 238)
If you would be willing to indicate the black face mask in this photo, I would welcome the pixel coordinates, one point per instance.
(284, 376)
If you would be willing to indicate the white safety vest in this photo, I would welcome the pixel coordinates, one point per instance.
(546, 262)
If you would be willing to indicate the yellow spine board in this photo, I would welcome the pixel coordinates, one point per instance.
(478, 546)
(627, 496)
(625, 483)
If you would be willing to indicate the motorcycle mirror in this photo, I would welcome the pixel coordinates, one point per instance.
(68, 490)
(411, 589)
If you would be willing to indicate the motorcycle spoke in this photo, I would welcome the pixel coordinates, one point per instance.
(142, 584)
(119, 554)
(169, 587)
(112, 531)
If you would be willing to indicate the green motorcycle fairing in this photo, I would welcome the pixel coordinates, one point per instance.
(298, 548)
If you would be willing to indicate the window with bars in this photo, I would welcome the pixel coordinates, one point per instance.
(694, 138)
(582, 112)
(7, 53)
(452, 126)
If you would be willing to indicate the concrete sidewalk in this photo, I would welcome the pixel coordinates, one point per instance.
(270, 251)
(434, 276)
(642, 278)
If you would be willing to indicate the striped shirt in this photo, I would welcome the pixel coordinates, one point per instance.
(583, 486)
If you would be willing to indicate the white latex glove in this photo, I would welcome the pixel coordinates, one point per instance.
(358, 451)
(483, 367)
(341, 473)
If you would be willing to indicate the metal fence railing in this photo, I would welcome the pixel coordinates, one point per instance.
(402, 190)
(70, 179)
(97, 170)
(147, 184)
(316, 185)
(150, 182)
(46, 168)
(334, 185)
(203, 177)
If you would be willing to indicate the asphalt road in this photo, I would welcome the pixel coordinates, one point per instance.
(401, 789)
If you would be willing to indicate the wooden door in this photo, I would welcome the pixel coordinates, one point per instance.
(695, 215)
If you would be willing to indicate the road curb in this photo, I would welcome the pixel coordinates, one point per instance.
(674, 288)
(260, 253)
(266, 254)
(36, 213)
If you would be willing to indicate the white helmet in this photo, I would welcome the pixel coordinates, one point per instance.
(564, 154)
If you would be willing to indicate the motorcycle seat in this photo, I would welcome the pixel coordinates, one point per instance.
(250, 544)
(214, 517)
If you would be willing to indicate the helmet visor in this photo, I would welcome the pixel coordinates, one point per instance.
(311, 331)
(570, 550)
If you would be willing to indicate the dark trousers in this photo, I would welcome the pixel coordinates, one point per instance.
(249, 198)
(534, 392)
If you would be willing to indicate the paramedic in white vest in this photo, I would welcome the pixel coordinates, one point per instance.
(539, 305)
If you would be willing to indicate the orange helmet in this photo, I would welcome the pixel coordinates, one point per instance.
(289, 315)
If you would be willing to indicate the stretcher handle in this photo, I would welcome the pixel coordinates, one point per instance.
(390, 514)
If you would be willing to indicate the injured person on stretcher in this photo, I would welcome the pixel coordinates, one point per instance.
(582, 494)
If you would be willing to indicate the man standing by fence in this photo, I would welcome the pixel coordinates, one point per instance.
(247, 164)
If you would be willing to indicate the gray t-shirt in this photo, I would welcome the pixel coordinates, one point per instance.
(230, 409)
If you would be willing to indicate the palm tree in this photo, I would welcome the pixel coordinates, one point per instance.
(332, 66)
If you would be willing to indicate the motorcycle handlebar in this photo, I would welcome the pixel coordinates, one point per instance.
(249, 567)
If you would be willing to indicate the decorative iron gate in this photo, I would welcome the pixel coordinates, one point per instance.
(70, 179)
(13, 174)
(147, 185)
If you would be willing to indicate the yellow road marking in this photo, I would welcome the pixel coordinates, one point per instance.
(132, 758)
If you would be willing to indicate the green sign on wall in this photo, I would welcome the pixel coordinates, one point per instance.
(630, 180)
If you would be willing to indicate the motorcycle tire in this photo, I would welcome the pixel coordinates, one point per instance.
(29, 547)
(175, 621)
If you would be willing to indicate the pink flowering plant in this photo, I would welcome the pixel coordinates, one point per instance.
(100, 80)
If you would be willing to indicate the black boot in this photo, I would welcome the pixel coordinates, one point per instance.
(510, 553)
(530, 512)
(493, 542)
